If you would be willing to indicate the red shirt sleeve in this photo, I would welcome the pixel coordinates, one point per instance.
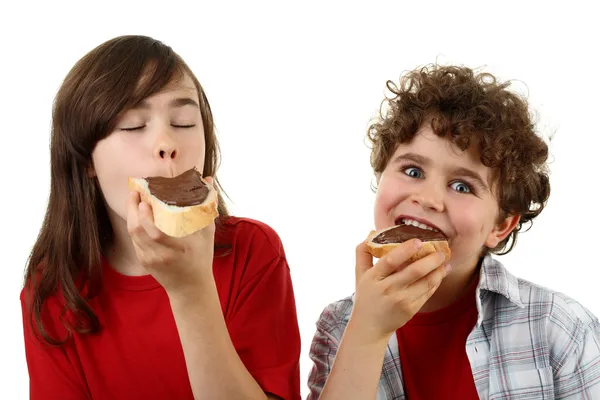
(261, 316)
(52, 374)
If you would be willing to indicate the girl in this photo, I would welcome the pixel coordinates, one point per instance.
(113, 308)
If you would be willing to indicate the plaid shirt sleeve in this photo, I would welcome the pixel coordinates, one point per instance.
(577, 357)
(330, 329)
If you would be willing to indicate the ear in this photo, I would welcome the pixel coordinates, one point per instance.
(91, 172)
(377, 177)
(502, 229)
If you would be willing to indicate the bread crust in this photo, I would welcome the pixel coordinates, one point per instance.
(178, 221)
(379, 250)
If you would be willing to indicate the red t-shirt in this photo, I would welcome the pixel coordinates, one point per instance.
(433, 351)
(138, 355)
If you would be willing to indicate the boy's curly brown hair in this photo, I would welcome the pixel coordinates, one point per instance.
(476, 109)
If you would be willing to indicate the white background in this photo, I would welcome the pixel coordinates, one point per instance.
(293, 86)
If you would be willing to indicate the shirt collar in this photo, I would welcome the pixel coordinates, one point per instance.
(495, 278)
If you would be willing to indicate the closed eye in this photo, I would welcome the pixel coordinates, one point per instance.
(135, 128)
(183, 126)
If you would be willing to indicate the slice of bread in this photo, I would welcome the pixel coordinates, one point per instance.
(429, 246)
(174, 220)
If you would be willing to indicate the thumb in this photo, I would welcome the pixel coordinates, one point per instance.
(208, 179)
(364, 261)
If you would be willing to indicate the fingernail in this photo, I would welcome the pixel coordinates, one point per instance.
(448, 268)
(418, 243)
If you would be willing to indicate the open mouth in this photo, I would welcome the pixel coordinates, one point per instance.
(418, 223)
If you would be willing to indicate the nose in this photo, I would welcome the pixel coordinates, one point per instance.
(167, 152)
(166, 148)
(429, 196)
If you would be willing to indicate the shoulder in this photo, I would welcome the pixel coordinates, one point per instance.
(520, 300)
(254, 251)
(54, 300)
(568, 330)
(248, 234)
(334, 318)
(520, 308)
(560, 312)
(51, 313)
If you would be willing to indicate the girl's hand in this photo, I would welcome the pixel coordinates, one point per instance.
(178, 264)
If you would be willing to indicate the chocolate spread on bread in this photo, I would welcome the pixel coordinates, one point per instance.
(184, 190)
(402, 233)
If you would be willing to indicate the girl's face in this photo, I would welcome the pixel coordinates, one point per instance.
(162, 136)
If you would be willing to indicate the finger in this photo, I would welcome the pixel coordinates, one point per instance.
(422, 290)
(207, 233)
(209, 230)
(206, 239)
(133, 202)
(419, 269)
(135, 229)
(209, 179)
(396, 258)
(364, 260)
(147, 222)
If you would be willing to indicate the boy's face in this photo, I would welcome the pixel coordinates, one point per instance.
(431, 181)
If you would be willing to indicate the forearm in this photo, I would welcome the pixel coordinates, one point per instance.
(214, 368)
(357, 367)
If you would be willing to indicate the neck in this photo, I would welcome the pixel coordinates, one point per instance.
(453, 286)
(121, 253)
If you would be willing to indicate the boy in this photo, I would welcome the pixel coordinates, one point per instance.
(455, 152)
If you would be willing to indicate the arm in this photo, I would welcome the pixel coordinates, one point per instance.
(257, 350)
(356, 363)
(51, 374)
(388, 294)
(357, 367)
(214, 368)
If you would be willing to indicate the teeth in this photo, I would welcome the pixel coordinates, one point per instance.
(417, 224)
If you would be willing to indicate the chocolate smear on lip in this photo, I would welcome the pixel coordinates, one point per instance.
(184, 190)
(402, 233)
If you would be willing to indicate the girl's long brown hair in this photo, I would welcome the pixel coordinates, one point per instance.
(67, 254)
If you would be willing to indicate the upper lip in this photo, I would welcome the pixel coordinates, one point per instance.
(420, 220)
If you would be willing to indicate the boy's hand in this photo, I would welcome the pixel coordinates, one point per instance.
(178, 264)
(391, 292)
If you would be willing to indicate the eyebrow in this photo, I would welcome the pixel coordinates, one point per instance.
(460, 171)
(412, 157)
(175, 103)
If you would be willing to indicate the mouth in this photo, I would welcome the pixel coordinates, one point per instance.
(418, 223)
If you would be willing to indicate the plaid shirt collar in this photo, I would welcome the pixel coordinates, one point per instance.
(496, 279)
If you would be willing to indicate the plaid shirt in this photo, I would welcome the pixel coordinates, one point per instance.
(528, 343)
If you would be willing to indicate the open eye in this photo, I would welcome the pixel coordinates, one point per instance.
(413, 172)
(461, 187)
